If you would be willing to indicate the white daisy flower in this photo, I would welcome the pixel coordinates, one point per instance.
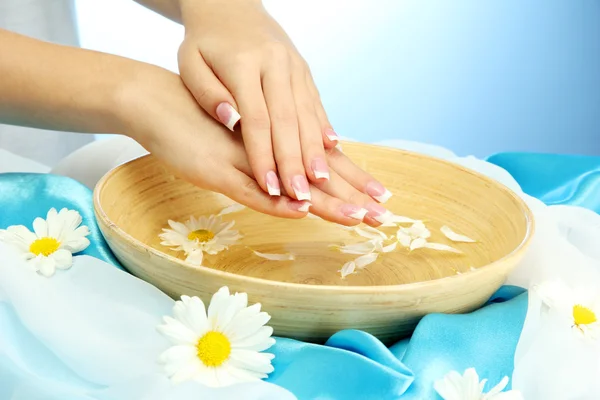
(218, 348)
(53, 241)
(580, 307)
(195, 237)
(468, 387)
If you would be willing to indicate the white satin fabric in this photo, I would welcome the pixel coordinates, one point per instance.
(114, 346)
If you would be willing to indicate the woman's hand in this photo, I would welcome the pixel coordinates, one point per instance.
(236, 57)
(165, 118)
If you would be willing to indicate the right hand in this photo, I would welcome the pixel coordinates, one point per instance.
(158, 111)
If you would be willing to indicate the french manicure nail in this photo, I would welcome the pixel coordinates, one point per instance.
(379, 213)
(301, 206)
(227, 115)
(352, 211)
(300, 186)
(378, 192)
(319, 167)
(331, 135)
(273, 184)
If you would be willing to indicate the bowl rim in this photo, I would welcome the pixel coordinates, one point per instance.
(361, 289)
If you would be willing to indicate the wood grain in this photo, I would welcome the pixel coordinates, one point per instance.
(307, 298)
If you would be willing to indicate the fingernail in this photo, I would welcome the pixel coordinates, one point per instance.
(301, 206)
(227, 115)
(352, 211)
(378, 192)
(300, 186)
(379, 213)
(273, 184)
(331, 135)
(319, 167)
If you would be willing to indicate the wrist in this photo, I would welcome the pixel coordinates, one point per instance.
(191, 10)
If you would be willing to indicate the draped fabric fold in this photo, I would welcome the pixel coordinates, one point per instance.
(89, 333)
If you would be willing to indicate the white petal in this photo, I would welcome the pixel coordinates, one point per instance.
(231, 209)
(239, 327)
(455, 237)
(178, 354)
(228, 311)
(188, 371)
(71, 219)
(252, 360)
(498, 388)
(45, 265)
(55, 224)
(63, 258)
(242, 375)
(177, 332)
(40, 227)
(418, 243)
(449, 387)
(195, 257)
(275, 257)
(555, 294)
(347, 269)
(242, 328)
(259, 341)
(358, 248)
(403, 238)
(180, 228)
(418, 230)
(207, 376)
(171, 238)
(365, 260)
(218, 302)
(191, 312)
(19, 236)
(76, 244)
(472, 388)
(441, 247)
(370, 233)
(389, 248)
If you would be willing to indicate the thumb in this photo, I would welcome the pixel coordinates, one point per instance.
(206, 88)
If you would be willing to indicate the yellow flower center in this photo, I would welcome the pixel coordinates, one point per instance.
(201, 235)
(583, 315)
(44, 246)
(213, 349)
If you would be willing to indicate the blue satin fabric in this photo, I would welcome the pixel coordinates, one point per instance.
(354, 364)
(565, 179)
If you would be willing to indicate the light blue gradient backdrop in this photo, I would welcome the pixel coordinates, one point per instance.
(475, 76)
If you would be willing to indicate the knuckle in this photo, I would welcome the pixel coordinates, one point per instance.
(250, 188)
(278, 52)
(243, 58)
(286, 118)
(258, 121)
(357, 198)
(202, 93)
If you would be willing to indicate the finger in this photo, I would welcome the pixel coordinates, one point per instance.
(356, 177)
(256, 129)
(277, 91)
(330, 138)
(339, 188)
(241, 188)
(335, 210)
(311, 139)
(206, 88)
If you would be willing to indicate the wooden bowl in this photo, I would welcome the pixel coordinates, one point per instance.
(307, 298)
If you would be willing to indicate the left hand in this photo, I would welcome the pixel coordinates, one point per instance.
(236, 57)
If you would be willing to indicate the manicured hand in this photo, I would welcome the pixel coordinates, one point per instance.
(237, 61)
(168, 122)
